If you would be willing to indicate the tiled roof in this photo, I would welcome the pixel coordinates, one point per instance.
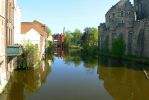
(36, 25)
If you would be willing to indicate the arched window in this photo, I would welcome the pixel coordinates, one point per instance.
(130, 43)
(140, 43)
(122, 13)
(107, 43)
(113, 14)
(122, 21)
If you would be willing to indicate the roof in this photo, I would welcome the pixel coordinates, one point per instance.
(36, 25)
(120, 4)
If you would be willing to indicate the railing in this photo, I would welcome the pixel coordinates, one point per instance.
(14, 51)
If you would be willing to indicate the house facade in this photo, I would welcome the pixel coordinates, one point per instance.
(2, 34)
(36, 33)
(17, 22)
(130, 22)
(8, 51)
(3, 55)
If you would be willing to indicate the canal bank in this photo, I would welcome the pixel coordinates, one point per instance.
(142, 60)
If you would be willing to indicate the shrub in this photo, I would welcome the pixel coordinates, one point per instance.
(118, 46)
(29, 57)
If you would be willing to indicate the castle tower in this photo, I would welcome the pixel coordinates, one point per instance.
(142, 9)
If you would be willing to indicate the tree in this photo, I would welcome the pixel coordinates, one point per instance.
(118, 46)
(76, 36)
(89, 40)
(49, 31)
(68, 38)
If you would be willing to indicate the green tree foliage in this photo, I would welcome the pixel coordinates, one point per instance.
(29, 56)
(49, 31)
(76, 37)
(90, 40)
(68, 39)
(118, 46)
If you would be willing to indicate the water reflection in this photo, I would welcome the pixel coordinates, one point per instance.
(109, 79)
(76, 57)
(124, 80)
(24, 83)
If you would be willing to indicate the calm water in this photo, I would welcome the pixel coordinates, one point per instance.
(78, 77)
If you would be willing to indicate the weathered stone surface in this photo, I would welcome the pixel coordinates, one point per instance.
(130, 22)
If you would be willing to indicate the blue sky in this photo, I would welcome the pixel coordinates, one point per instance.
(70, 14)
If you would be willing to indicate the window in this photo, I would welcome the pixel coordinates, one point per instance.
(130, 42)
(12, 37)
(113, 14)
(122, 21)
(122, 13)
(128, 12)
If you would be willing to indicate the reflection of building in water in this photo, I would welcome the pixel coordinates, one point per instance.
(59, 40)
(123, 83)
(26, 82)
(60, 53)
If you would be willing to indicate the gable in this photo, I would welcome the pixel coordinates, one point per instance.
(39, 27)
(32, 35)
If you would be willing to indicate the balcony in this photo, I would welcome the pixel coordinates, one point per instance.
(13, 51)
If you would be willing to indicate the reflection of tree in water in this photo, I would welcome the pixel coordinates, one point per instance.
(123, 80)
(68, 58)
(89, 61)
(77, 57)
(72, 57)
(26, 82)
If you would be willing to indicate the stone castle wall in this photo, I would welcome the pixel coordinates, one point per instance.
(121, 22)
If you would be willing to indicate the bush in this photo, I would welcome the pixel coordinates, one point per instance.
(118, 46)
(29, 57)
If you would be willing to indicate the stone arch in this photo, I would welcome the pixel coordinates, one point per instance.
(140, 43)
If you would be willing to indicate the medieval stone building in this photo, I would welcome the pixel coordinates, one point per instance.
(129, 21)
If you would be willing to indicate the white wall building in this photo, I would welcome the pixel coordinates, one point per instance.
(17, 23)
(36, 33)
(31, 36)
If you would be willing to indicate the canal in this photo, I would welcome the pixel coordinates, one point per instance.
(73, 76)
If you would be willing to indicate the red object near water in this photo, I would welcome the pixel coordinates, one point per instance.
(61, 38)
